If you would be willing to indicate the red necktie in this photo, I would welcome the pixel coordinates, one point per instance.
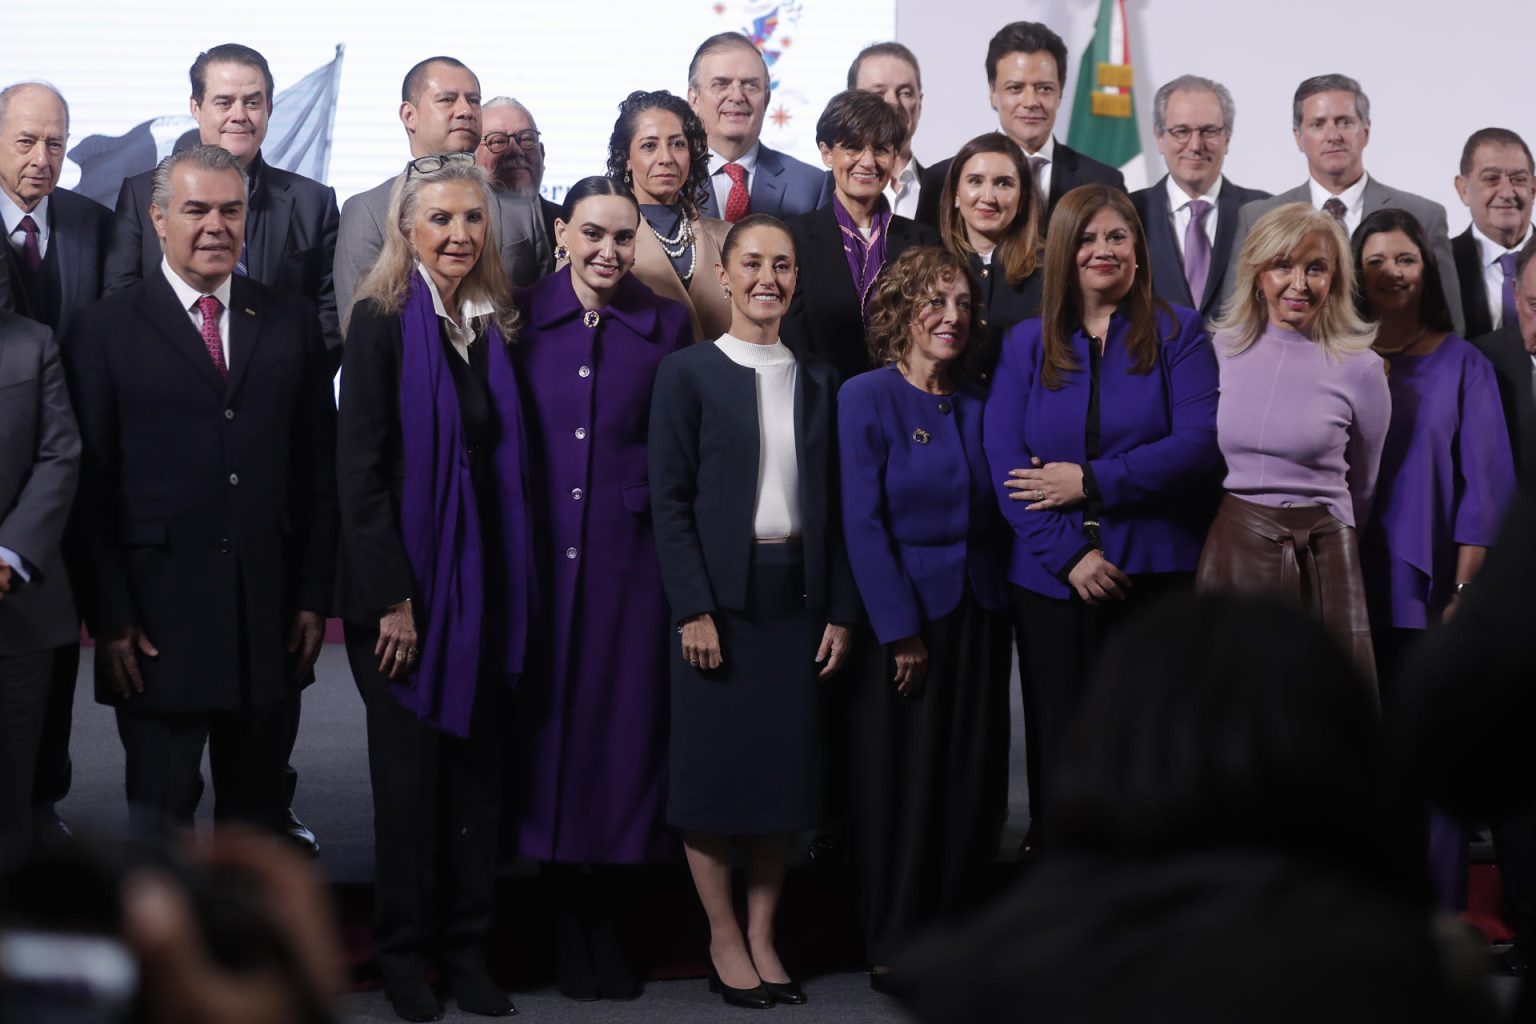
(29, 247)
(210, 307)
(737, 202)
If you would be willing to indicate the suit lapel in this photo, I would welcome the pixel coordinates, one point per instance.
(174, 325)
(245, 331)
(1063, 174)
(68, 254)
(1162, 247)
(767, 189)
(276, 212)
(830, 235)
(1227, 205)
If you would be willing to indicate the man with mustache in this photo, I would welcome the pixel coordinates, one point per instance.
(440, 111)
(1191, 215)
(1331, 119)
(512, 153)
(207, 506)
(1496, 185)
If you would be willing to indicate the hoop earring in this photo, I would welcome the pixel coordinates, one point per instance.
(562, 253)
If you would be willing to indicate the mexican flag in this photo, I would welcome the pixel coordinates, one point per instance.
(1103, 111)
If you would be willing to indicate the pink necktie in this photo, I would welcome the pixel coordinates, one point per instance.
(737, 201)
(211, 307)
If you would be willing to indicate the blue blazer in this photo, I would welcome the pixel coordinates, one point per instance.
(782, 187)
(1157, 449)
(702, 454)
(918, 509)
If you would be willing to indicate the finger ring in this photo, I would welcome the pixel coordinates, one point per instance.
(400, 655)
(1040, 495)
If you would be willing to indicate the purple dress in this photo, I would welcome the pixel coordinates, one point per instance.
(1446, 476)
(589, 783)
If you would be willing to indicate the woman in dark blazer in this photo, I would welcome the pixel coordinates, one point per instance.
(928, 714)
(743, 472)
(844, 244)
(990, 217)
(433, 582)
(1101, 435)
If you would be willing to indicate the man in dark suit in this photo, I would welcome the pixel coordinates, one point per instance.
(1331, 119)
(512, 154)
(50, 269)
(890, 71)
(440, 111)
(729, 88)
(292, 221)
(39, 464)
(1026, 73)
(1496, 184)
(208, 493)
(1190, 216)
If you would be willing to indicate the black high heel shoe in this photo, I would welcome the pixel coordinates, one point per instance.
(787, 992)
(747, 998)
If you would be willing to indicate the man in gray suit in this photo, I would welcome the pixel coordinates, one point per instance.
(729, 88)
(440, 109)
(39, 466)
(1331, 119)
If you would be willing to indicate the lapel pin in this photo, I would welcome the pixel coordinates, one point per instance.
(249, 311)
(920, 435)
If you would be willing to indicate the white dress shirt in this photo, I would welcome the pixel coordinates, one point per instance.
(901, 191)
(1043, 177)
(473, 315)
(1178, 209)
(1353, 199)
(189, 298)
(11, 214)
(1488, 253)
(777, 513)
(721, 182)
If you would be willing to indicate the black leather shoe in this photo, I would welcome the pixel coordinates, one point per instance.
(787, 992)
(880, 981)
(413, 1000)
(476, 993)
(575, 974)
(1514, 961)
(300, 835)
(615, 980)
(747, 998)
(49, 830)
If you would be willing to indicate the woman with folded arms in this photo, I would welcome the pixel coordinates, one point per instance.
(433, 583)
(928, 715)
(990, 217)
(743, 470)
(1100, 431)
(1303, 417)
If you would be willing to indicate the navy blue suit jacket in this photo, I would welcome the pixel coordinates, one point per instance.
(1168, 266)
(919, 514)
(703, 453)
(782, 187)
(1157, 449)
(81, 228)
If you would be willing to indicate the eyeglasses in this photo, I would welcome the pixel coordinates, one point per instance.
(497, 142)
(431, 164)
(1207, 133)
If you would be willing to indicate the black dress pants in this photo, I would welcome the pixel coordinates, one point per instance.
(436, 815)
(55, 771)
(23, 697)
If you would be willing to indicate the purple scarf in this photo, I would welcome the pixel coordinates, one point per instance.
(864, 258)
(440, 525)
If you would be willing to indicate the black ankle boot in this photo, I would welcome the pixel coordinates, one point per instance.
(615, 979)
(575, 973)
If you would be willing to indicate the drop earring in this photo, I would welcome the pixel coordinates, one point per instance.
(626, 176)
(562, 253)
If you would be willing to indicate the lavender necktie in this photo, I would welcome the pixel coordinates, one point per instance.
(1507, 288)
(1197, 251)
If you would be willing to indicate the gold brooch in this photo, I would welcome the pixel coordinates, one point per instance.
(590, 318)
(920, 435)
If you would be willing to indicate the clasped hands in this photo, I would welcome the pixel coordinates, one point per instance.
(701, 645)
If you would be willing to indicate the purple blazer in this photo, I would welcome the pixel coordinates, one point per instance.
(919, 515)
(1157, 449)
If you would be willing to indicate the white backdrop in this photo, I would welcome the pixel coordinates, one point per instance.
(1435, 72)
(121, 62)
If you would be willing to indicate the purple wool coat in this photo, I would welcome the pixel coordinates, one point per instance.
(589, 783)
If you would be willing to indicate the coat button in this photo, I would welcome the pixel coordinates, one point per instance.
(570, 552)
(585, 371)
(234, 479)
(575, 493)
(229, 414)
(581, 433)
(225, 547)
(944, 408)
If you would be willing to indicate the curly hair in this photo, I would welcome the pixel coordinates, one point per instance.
(691, 196)
(904, 285)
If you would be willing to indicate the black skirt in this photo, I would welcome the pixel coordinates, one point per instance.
(746, 738)
(927, 774)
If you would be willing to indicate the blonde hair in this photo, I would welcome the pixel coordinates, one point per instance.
(1338, 326)
(388, 281)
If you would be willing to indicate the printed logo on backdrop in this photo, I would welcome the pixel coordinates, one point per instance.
(298, 137)
(772, 25)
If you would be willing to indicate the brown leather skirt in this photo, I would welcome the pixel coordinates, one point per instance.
(1302, 553)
